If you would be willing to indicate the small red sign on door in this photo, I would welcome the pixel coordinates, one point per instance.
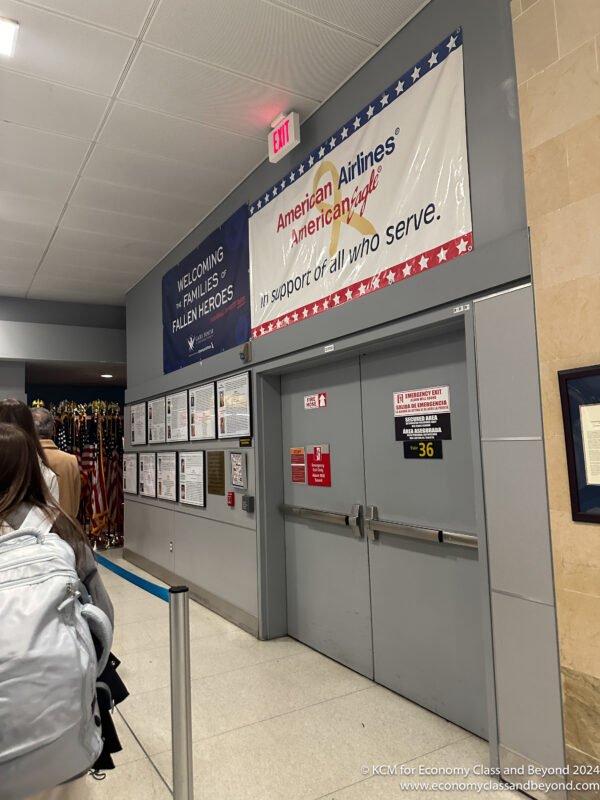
(298, 465)
(318, 400)
(318, 462)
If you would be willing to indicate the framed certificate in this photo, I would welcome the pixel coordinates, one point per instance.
(580, 400)
(166, 476)
(192, 483)
(137, 416)
(237, 470)
(233, 406)
(202, 412)
(157, 420)
(130, 473)
(177, 417)
(147, 474)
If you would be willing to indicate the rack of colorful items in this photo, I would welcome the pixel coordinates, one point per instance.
(94, 434)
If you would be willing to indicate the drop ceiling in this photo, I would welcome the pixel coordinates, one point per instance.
(123, 123)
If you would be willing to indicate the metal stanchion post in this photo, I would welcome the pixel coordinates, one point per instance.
(181, 705)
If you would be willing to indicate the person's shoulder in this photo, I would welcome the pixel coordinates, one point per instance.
(60, 455)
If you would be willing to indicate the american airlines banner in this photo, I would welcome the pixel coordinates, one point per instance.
(385, 198)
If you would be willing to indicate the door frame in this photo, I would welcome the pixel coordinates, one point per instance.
(271, 557)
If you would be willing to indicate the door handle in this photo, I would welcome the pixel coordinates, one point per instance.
(352, 520)
(374, 526)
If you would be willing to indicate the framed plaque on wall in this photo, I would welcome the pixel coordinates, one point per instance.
(580, 400)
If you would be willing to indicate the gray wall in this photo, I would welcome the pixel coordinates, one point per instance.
(37, 330)
(521, 592)
(500, 253)
(518, 532)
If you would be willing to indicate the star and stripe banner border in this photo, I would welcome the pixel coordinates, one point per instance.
(396, 173)
(343, 296)
(394, 91)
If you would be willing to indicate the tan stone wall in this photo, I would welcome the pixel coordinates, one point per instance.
(557, 44)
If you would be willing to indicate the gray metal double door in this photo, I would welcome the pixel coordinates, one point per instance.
(390, 601)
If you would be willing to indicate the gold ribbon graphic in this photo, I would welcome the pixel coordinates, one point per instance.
(361, 224)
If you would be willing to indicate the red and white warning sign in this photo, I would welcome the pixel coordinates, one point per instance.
(318, 462)
(298, 464)
(433, 400)
(318, 400)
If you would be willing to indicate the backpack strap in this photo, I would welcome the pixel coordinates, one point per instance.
(38, 520)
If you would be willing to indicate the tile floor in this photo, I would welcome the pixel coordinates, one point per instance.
(271, 720)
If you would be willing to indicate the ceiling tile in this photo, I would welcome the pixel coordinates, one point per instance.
(261, 40)
(74, 279)
(27, 250)
(116, 14)
(73, 53)
(61, 291)
(92, 260)
(29, 210)
(39, 149)
(14, 270)
(178, 85)
(112, 224)
(42, 183)
(157, 174)
(22, 232)
(139, 203)
(81, 240)
(18, 289)
(375, 21)
(133, 128)
(38, 104)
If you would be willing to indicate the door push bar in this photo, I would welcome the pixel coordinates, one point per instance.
(352, 520)
(374, 526)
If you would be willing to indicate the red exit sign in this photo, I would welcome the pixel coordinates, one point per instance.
(284, 137)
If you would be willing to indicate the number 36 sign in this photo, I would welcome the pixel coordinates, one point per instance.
(423, 450)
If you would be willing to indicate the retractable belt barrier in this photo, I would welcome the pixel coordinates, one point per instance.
(181, 706)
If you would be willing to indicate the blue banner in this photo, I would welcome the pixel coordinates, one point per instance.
(206, 297)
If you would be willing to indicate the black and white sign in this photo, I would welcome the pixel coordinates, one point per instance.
(422, 414)
(147, 484)
(166, 476)
(177, 417)
(237, 470)
(203, 423)
(156, 421)
(138, 423)
(130, 473)
(192, 484)
(233, 406)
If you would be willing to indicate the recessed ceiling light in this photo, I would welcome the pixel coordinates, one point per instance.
(106, 375)
(8, 36)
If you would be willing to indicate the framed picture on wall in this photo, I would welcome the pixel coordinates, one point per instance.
(156, 420)
(130, 473)
(147, 474)
(192, 483)
(580, 400)
(202, 412)
(233, 406)
(137, 416)
(177, 417)
(166, 476)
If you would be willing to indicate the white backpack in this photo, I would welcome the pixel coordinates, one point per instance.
(49, 721)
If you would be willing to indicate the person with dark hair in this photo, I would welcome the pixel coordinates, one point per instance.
(25, 503)
(24, 498)
(64, 465)
(17, 413)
